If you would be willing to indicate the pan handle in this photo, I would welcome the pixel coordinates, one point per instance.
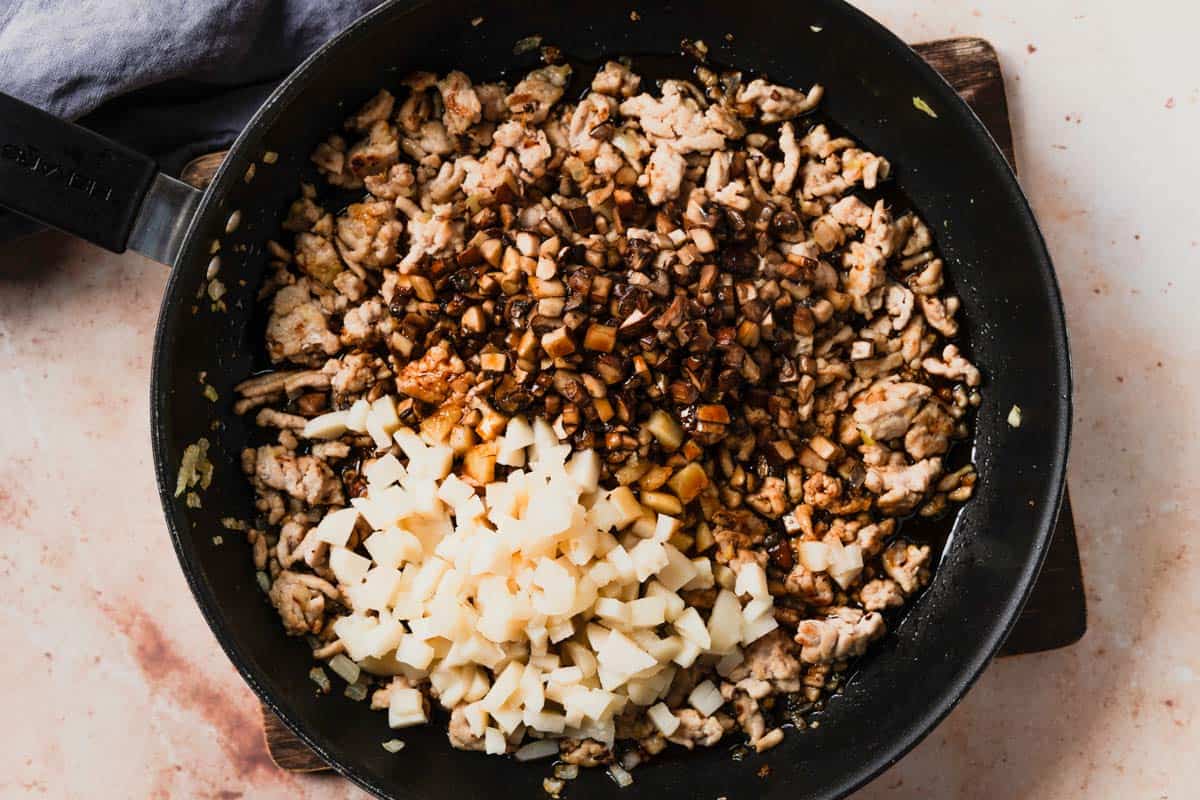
(74, 179)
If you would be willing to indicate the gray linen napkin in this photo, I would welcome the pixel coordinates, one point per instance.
(171, 78)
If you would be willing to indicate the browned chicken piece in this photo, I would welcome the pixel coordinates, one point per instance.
(532, 98)
(317, 257)
(844, 635)
(881, 594)
(377, 109)
(375, 154)
(303, 477)
(776, 103)
(908, 565)
(886, 410)
(368, 235)
(736, 530)
(460, 101)
(930, 433)
(298, 329)
(428, 378)
(901, 487)
(352, 374)
(585, 752)
(300, 600)
(696, 729)
(459, 731)
(773, 659)
(617, 80)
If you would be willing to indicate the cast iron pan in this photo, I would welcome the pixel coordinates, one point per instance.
(948, 168)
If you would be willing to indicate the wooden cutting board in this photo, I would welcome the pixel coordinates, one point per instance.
(1055, 615)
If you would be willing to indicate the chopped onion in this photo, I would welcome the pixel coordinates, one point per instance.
(620, 775)
(356, 692)
(1014, 417)
(706, 698)
(541, 748)
(347, 669)
(264, 582)
(393, 745)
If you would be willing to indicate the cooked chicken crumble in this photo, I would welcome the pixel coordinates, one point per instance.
(693, 283)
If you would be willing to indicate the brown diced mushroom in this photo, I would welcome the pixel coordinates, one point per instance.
(689, 482)
(600, 338)
(663, 503)
(493, 362)
(474, 320)
(713, 413)
(557, 343)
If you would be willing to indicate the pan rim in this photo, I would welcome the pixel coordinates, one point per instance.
(916, 728)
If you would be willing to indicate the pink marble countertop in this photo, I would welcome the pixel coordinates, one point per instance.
(114, 686)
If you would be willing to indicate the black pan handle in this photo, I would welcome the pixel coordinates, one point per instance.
(71, 178)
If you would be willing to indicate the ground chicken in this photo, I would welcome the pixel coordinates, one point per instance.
(377, 153)
(907, 564)
(902, 487)
(297, 329)
(432, 234)
(953, 366)
(361, 325)
(585, 752)
(843, 635)
(734, 531)
(815, 589)
(777, 103)
(428, 378)
(303, 477)
(368, 233)
(771, 658)
(617, 80)
(938, 314)
(397, 181)
(696, 729)
(868, 168)
(851, 211)
(886, 410)
(537, 92)
(899, 301)
(866, 275)
(430, 139)
(881, 594)
(664, 174)
(300, 600)
(459, 731)
(822, 178)
(351, 374)
(771, 499)
(930, 432)
(317, 257)
(462, 106)
(592, 112)
(302, 214)
(377, 109)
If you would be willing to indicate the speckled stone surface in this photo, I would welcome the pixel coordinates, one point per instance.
(112, 685)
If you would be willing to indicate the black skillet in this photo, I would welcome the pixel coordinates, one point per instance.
(948, 168)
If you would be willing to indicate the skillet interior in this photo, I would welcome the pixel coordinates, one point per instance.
(955, 178)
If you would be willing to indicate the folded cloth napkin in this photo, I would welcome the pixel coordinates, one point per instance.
(171, 78)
